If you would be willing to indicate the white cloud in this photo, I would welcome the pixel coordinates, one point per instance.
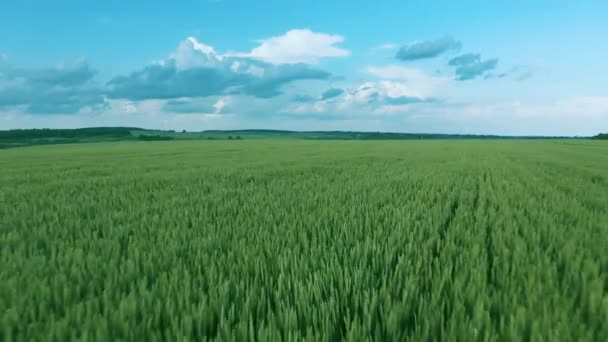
(421, 83)
(297, 46)
(197, 70)
(375, 94)
(400, 90)
(220, 104)
(190, 53)
(205, 49)
(382, 97)
(397, 89)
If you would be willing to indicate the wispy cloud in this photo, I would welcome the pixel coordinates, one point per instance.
(427, 49)
(521, 72)
(469, 66)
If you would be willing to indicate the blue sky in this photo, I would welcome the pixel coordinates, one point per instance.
(518, 67)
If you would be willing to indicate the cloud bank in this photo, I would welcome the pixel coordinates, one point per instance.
(196, 70)
(283, 78)
(66, 88)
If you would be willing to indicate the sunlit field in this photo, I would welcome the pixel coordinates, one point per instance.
(319, 240)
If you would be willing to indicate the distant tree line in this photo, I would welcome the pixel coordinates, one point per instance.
(156, 137)
(28, 137)
(117, 132)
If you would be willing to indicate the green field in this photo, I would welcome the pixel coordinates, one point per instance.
(293, 239)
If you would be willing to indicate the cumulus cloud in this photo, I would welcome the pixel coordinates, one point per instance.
(383, 91)
(397, 89)
(427, 49)
(419, 83)
(193, 79)
(196, 70)
(190, 54)
(195, 84)
(469, 66)
(64, 89)
(374, 98)
(297, 46)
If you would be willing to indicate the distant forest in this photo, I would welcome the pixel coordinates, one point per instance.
(29, 137)
(66, 133)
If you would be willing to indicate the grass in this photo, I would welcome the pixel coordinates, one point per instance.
(290, 239)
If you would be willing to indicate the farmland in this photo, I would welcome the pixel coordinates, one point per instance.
(294, 239)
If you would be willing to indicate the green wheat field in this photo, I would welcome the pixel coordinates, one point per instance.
(305, 240)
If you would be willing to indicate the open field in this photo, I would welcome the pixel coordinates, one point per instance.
(293, 239)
